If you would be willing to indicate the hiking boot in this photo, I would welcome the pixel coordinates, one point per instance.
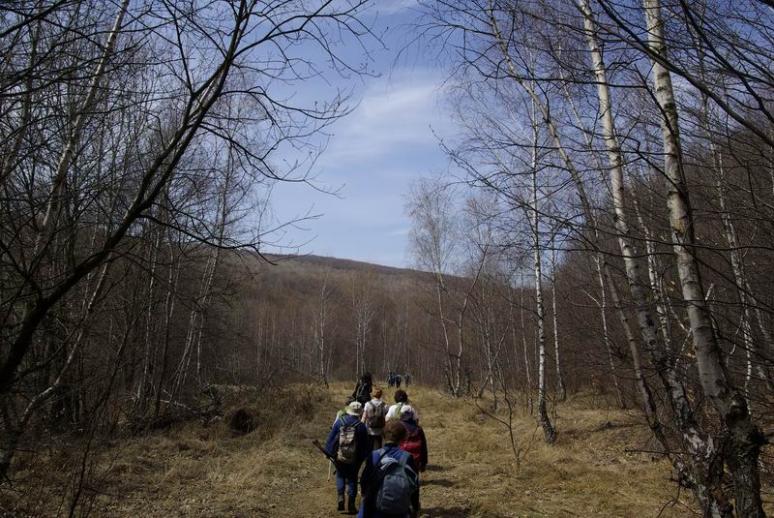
(340, 506)
(352, 506)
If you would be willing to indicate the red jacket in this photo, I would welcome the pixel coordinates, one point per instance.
(415, 443)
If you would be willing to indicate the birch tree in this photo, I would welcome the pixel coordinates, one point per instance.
(434, 243)
(744, 439)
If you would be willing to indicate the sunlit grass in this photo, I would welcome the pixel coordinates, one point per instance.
(594, 469)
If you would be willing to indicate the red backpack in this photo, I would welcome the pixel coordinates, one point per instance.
(412, 444)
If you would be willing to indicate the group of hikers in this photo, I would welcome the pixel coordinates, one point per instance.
(394, 379)
(391, 444)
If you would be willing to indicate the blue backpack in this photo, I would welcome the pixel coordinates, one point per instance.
(397, 482)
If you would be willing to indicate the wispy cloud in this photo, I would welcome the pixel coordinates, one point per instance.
(396, 114)
(373, 156)
(395, 6)
(403, 231)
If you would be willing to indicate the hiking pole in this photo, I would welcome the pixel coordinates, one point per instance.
(331, 459)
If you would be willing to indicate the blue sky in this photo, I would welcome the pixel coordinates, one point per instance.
(374, 154)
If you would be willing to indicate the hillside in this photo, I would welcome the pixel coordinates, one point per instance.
(197, 470)
(335, 263)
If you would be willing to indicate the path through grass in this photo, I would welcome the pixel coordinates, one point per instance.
(191, 470)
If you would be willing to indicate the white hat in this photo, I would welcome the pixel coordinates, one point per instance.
(407, 412)
(355, 408)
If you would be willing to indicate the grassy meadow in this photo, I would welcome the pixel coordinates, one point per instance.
(598, 466)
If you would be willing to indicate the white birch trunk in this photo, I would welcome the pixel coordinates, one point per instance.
(645, 393)
(606, 332)
(439, 289)
(533, 214)
(745, 440)
(142, 387)
(561, 390)
(740, 278)
(321, 328)
(527, 370)
(698, 446)
(656, 286)
(74, 137)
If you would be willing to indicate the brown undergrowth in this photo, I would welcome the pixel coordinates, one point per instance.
(597, 467)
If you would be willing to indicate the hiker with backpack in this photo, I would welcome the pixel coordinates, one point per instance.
(389, 484)
(374, 415)
(348, 444)
(415, 441)
(342, 411)
(401, 399)
(362, 392)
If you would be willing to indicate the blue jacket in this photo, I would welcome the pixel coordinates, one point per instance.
(370, 479)
(361, 438)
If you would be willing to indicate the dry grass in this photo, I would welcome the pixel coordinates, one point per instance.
(586, 473)
(195, 471)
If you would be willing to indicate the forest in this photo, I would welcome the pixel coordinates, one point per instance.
(604, 227)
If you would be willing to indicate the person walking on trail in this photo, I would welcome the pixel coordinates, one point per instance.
(389, 484)
(374, 417)
(362, 392)
(401, 399)
(415, 441)
(343, 410)
(397, 381)
(348, 444)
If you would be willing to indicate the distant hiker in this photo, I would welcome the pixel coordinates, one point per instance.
(374, 416)
(390, 379)
(389, 484)
(406, 379)
(362, 391)
(348, 444)
(401, 399)
(397, 381)
(415, 442)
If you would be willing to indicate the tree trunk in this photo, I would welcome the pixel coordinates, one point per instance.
(561, 390)
(744, 440)
(527, 370)
(701, 450)
(169, 309)
(656, 286)
(549, 432)
(606, 333)
(322, 323)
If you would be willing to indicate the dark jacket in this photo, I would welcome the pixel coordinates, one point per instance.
(412, 428)
(369, 481)
(361, 438)
(362, 391)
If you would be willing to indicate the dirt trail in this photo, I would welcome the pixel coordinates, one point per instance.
(309, 493)
(443, 487)
(192, 470)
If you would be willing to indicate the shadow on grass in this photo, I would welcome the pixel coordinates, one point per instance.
(441, 482)
(434, 467)
(444, 512)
